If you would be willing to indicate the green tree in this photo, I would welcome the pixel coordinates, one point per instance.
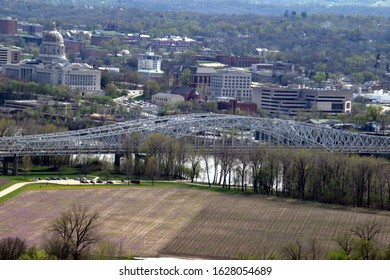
(34, 254)
(374, 112)
(150, 87)
(319, 77)
(185, 77)
(111, 89)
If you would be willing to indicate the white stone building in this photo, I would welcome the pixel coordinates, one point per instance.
(149, 66)
(231, 84)
(161, 98)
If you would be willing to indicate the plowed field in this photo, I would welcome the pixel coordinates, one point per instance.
(188, 223)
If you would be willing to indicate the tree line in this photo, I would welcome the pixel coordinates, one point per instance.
(344, 179)
(335, 178)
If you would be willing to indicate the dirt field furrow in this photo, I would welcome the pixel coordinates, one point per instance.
(188, 223)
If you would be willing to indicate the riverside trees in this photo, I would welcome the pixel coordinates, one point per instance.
(349, 180)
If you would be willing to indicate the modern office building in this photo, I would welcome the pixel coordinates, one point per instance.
(231, 84)
(289, 102)
(149, 66)
(9, 55)
(52, 67)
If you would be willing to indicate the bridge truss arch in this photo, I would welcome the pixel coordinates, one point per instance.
(202, 130)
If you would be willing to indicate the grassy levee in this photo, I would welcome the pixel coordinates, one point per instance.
(36, 185)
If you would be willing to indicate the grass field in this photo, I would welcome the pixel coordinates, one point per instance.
(187, 222)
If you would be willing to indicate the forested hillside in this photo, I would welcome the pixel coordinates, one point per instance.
(264, 7)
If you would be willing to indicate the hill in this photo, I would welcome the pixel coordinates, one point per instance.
(264, 7)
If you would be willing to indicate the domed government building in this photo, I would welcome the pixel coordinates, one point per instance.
(52, 67)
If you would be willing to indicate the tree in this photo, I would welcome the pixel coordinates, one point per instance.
(111, 89)
(152, 168)
(319, 77)
(128, 167)
(108, 250)
(185, 77)
(150, 87)
(366, 231)
(303, 167)
(194, 159)
(206, 158)
(26, 165)
(11, 248)
(374, 113)
(106, 169)
(34, 254)
(293, 251)
(73, 233)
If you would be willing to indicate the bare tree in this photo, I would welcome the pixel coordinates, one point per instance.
(315, 250)
(302, 166)
(206, 158)
(293, 251)
(132, 144)
(56, 247)
(367, 231)
(194, 159)
(345, 241)
(73, 233)
(153, 168)
(11, 248)
(106, 169)
(26, 165)
(243, 168)
(128, 167)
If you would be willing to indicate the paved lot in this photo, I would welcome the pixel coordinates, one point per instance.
(58, 182)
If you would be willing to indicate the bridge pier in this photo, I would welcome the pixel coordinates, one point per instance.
(5, 166)
(117, 159)
(14, 161)
(15, 166)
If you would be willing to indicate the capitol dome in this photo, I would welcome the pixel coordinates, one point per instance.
(53, 36)
(52, 48)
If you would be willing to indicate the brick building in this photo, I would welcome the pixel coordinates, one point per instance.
(238, 61)
(8, 26)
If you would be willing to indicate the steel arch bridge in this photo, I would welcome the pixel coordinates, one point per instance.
(203, 130)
